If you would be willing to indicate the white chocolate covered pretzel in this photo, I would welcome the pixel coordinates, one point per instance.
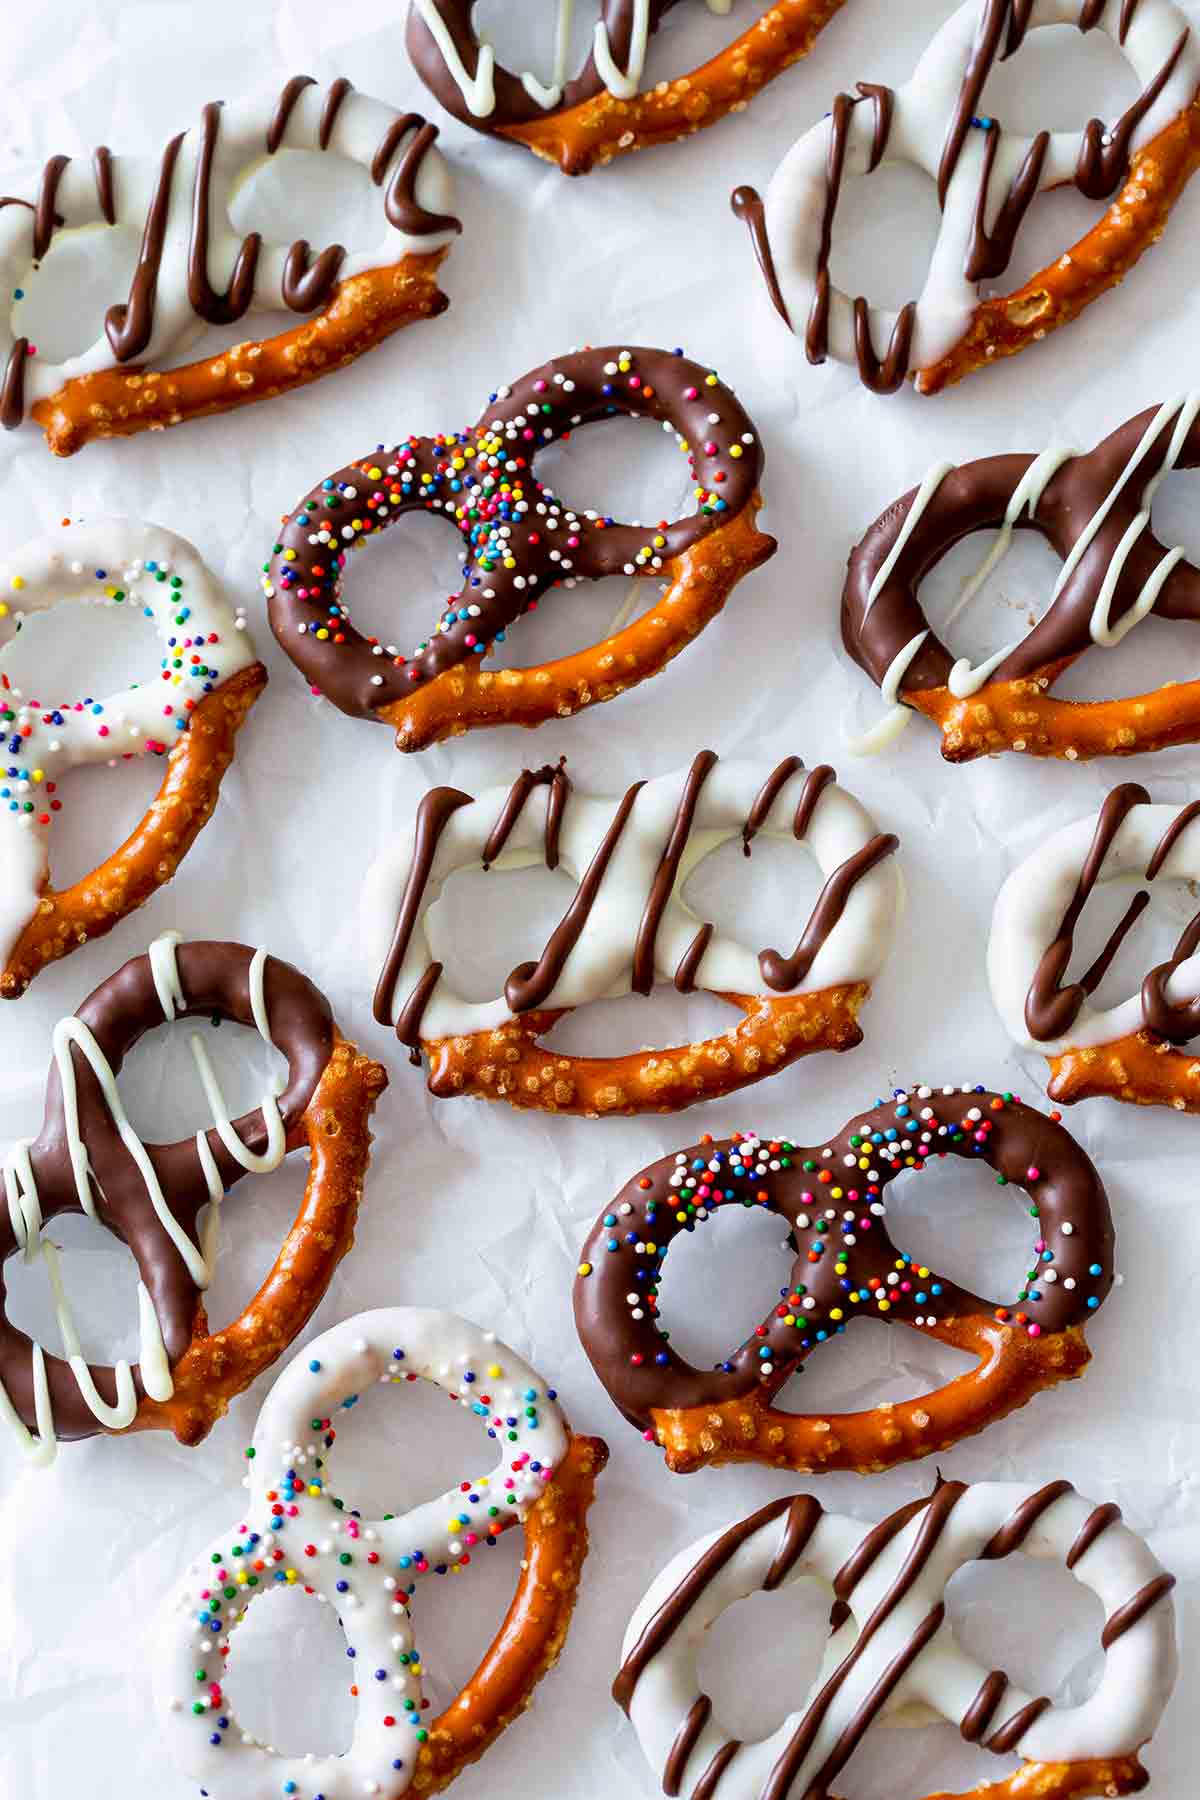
(892, 1655)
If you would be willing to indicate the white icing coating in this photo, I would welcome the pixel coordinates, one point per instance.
(1029, 911)
(358, 132)
(942, 1682)
(115, 563)
(369, 1591)
(25, 1212)
(479, 90)
(924, 106)
(601, 963)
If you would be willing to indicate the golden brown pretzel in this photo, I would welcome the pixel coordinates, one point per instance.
(589, 124)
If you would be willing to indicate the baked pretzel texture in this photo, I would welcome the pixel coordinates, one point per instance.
(520, 544)
(628, 928)
(1094, 511)
(190, 716)
(579, 121)
(893, 1656)
(195, 268)
(832, 1199)
(89, 1159)
(545, 1481)
(1135, 1050)
(987, 179)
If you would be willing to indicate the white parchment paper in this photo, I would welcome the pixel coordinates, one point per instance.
(476, 1207)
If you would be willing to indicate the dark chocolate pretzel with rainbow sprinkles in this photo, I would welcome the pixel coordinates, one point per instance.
(520, 542)
(832, 1199)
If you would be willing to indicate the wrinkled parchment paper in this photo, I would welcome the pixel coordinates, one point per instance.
(475, 1207)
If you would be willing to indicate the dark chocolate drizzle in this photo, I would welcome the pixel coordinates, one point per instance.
(215, 978)
(1094, 1526)
(308, 280)
(747, 205)
(1127, 1616)
(638, 1364)
(531, 983)
(686, 1739)
(414, 476)
(1050, 1008)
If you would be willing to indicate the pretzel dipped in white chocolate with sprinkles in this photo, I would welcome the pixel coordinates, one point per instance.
(628, 927)
(188, 711)
(893, 1657)
(164, 1201)
(832, 1200)
(602, 111)
(987, 179)
(295, 1531)
(195, 269)
(520, 543)
(1094, 509)
(1137, 1049)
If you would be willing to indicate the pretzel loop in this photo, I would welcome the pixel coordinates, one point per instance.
(369, 1569)
(628, 927)
(601, 113)
(893, 1656)
(520, 543)
(89, 1159)
(987, 178)
(1095, 511)
(832, 1200)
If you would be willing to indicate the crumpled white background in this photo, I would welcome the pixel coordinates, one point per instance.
(478, 1208)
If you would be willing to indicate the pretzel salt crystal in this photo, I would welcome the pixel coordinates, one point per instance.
(893, 1656)
(832, 1200)
(1135, 1050)
(629, 927)
(602, 113)
(522, 542)
(987, 178)
(294, 1531)
(1094, 510)
(189, 713)
(193, 268)
(89, 1159)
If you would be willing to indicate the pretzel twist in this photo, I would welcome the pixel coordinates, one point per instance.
(182, 204)
(602, 112)
(89, 1159)
(1135, 1050)
(520, 544)
(190, 715)
(1095, 511)
(987, 179)
(545, 1480)
(846, 1267)
(893, 1656)
(628, 928)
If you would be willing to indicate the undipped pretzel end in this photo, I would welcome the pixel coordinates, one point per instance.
(1061, 1781)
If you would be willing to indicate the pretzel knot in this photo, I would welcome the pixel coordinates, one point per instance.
(294, 1530)
(520, 542)
(1134, 1050)
(987, 178)
(832, 1199)
(89, 1159)
(1094, 511)
(628, 927)
(190, 715)
(195, 269)
(580, 120)
(893, 1656)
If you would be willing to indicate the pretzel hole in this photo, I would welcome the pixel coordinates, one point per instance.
(1056, 220)
(396, 589)
(1155, 653)
(884, 235)
(874, 1364)
(161, 1087)
(951, 1217)
(484, 924)
(1004, 607)
(899, 1764)
(1150, 941)
(453, 1637)
(403, 1442)
(764, 898)
(310, 194)
(287, 1678)
(999, 1611)
(100, 1278)
(659, 1021)
(753, 1687)
(622, 468)
(83, 273)
(1059, 79)
(567, 620)
(524, 37)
